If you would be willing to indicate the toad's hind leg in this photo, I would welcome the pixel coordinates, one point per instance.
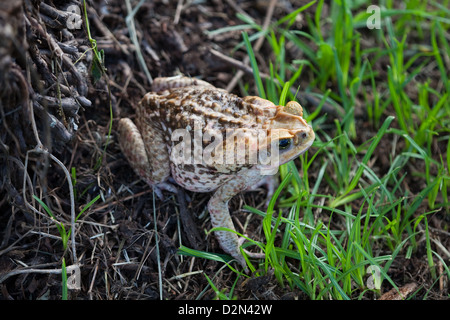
(149, 159)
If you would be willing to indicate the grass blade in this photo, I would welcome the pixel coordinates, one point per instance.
(254, 65)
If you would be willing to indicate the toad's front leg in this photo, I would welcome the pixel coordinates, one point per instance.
(220, 215)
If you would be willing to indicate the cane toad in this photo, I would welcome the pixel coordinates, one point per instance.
(228, 144)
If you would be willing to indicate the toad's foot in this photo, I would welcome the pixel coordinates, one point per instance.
(163, 186)
(254, 255)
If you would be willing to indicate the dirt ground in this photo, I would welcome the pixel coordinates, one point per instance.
(42, 58)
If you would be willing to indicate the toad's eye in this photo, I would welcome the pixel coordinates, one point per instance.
(284, 144)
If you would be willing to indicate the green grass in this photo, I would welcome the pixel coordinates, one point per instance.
(65, 236)
(340, 217)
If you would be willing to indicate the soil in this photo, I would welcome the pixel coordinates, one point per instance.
(45, 56)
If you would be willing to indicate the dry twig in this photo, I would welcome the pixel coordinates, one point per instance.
(256, 48)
